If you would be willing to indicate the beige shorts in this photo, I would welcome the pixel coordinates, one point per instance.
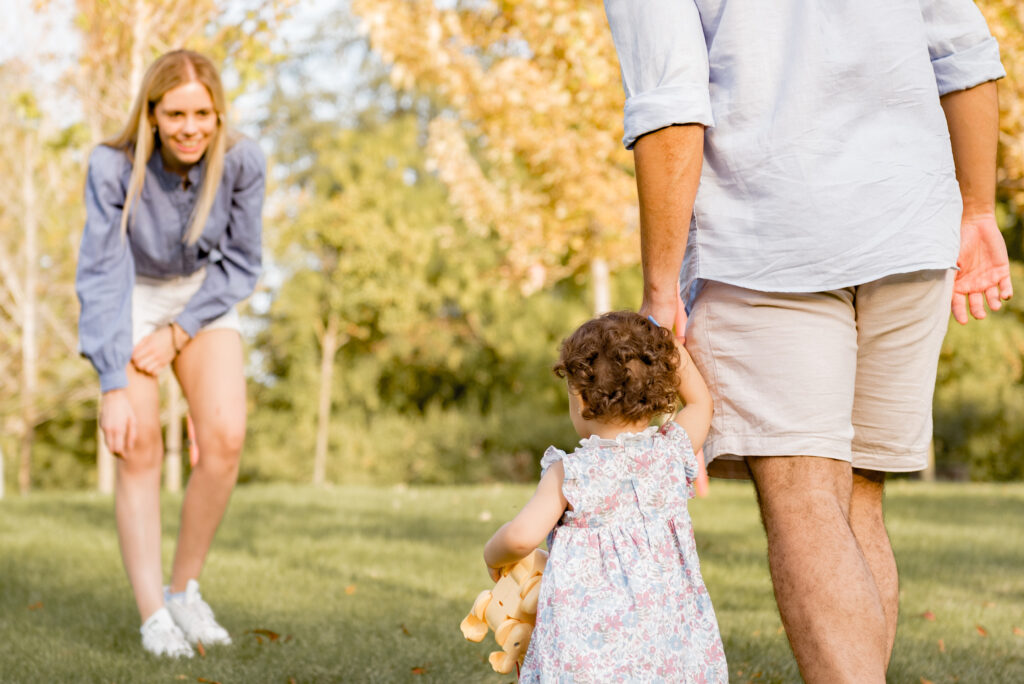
(846, 374)
(157, 302)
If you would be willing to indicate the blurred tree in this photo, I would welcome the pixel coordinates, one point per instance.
(37, 337)
(979, 398)
(527, 139)
(391, 310)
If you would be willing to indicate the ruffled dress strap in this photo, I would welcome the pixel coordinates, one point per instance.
(677, 436)
(552, 455)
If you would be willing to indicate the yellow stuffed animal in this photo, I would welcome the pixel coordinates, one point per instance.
(510, 609)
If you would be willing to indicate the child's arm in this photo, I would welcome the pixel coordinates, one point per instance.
(518, 537)
(695, 416)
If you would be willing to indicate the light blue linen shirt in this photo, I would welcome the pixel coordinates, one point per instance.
(229, 247)
(827, 160)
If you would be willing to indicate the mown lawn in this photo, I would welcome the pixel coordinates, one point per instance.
(369, 585)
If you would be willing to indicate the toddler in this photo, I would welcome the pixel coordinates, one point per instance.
(622, 598)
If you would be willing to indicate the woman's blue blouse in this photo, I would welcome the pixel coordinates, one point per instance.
(229, 247)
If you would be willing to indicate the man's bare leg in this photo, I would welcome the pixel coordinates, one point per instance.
(825, 590)
(869, 528)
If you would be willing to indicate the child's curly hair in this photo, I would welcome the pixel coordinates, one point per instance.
(623, 366)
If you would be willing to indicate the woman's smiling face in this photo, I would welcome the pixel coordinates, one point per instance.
(186, 121)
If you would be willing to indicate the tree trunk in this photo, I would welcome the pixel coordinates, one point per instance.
(140, 31)
(172, 442)
(29, 351)
(928, 474)
(601, 284)
(328, 348)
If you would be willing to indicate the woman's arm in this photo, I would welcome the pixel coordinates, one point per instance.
(695, 416)
(105, 273)
(521, 535)
(234, 277)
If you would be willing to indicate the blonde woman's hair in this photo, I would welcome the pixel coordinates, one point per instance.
(138, 138)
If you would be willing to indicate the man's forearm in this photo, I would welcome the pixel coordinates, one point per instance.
(668, 164)
(972, 116)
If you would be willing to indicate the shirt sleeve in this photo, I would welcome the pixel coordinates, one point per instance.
(664, 62)
(233, 277)
(105, 274)
(962, 51)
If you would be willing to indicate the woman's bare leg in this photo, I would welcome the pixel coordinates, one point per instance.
(137, 496)
(210, 369)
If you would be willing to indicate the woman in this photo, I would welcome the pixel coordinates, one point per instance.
(171, 244)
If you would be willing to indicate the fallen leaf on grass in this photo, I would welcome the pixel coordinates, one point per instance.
(204, 680)
(291, 680)
(350, 589)
(1017, 631)
(273, 636)
(35, 606)
(942, 646)
(981, 630)
(201, 649)
(405, 631)
(928, 615)
(926, 681)
(419, 670)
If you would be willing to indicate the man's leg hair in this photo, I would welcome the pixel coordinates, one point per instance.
(828, 600)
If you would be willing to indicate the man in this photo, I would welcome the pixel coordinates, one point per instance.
(820, 253)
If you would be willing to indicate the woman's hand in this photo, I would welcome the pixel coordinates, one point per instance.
(495, 573)
(154, 351)
(117, 421)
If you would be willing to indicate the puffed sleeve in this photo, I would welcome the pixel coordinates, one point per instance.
(105, 274)
(678, 437)
(233, 277)
(552, 455)
(963, 52)
(664, 61)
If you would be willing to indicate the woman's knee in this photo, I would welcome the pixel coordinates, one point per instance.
(223, 440)
(146, 450)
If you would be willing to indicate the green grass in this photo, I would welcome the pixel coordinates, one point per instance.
(410, 561)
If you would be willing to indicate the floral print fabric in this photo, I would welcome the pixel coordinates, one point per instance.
(622, 598)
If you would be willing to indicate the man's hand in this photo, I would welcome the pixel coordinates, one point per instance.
(154, 351)
(667, 313)
(984, 273)
(117, 421)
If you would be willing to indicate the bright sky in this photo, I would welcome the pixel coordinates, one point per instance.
(32, 34)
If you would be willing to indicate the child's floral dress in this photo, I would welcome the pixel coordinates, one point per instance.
(622, 599)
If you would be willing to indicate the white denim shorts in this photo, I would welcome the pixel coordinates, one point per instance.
(846, 374)
(157, 302)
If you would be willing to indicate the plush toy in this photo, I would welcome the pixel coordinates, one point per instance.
(510, 609)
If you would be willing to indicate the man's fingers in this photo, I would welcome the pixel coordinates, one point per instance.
(959, 308)
(992, 295)
(977, 303)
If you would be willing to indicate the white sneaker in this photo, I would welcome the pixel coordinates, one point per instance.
(195, 618)
(161, 637)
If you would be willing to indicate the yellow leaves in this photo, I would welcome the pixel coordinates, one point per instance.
(529, 147)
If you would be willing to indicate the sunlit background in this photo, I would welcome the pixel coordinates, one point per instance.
(449, 197)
